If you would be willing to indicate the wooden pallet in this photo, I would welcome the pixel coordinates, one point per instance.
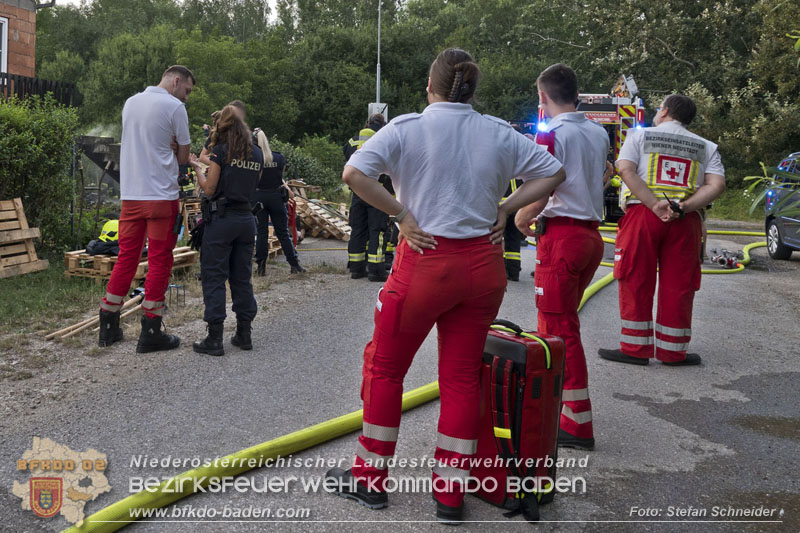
(98, 267)
(191, 213)
(322, 221)
(273, 245)
(17, 252)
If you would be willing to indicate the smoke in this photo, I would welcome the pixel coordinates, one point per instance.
(105, 130)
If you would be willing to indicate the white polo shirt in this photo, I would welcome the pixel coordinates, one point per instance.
(450, 166)
(582, 147)
(148, 166)
(677, 150)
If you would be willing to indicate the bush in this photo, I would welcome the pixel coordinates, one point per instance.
(308, 168)
(37, 136)
(321, 148)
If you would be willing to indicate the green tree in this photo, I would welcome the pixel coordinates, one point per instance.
(125, 65)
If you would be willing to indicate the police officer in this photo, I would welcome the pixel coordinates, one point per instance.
(228, 240)
(273, 193)
(661, 238)
(512, 239)
(366, 246)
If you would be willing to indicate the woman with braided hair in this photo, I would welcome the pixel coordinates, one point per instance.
(450, 167)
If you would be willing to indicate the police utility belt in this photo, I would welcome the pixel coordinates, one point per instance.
(217, 208)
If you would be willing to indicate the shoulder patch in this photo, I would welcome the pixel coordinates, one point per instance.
(405, 118)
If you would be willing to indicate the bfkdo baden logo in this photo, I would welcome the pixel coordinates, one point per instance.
(61, 480)
(45, 495)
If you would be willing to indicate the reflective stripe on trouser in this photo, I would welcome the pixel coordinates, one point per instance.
(140, 220)
(420, 293)
(377, 257)
(568, 258)
(648, 250)
(512, 239)
(376, 446)
(367, 226)
(452, 455)
(153, 308)
(111, 303)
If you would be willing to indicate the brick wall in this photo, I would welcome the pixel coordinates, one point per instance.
(21, 43)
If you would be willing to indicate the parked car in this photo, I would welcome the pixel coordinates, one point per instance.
(782, 208)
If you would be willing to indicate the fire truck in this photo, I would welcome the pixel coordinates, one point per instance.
(617, 112)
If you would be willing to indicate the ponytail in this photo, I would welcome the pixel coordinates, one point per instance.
(263, 143)
(455, 76)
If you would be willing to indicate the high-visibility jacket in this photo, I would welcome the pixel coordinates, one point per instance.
(670, 159)
(511, 188)
(357, 142)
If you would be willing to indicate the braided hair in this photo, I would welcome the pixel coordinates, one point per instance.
(455, 75)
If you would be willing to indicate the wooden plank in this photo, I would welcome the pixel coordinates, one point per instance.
(10, 214)
(25, 268)
(6, 205)
(18, 235)
(12, 249)
(10, 225)
(23, 220)
(14, 260)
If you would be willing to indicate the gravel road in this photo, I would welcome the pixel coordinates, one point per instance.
(669, 440)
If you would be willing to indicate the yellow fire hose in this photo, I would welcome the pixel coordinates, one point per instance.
(117, 515)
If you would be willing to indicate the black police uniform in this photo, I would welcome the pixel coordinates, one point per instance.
(512, 240)
(270, 193)
(367, 228)
(227, 249)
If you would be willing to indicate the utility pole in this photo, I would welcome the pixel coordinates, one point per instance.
(378, 77)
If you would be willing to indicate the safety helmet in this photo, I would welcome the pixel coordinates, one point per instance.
(110, 231)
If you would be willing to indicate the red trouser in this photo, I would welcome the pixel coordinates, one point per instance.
(647, 246)
(459, 287)
(139, 219)
(567, 257)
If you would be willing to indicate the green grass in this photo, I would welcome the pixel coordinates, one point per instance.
(734, 204)
(44, 300)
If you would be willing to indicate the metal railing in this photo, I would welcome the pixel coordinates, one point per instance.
(24, 86)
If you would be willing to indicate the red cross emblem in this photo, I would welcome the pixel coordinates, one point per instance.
(673, 171)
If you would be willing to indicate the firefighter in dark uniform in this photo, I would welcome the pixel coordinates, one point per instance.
(229, 237)
(512, 240)
(366, 246)
(392, 234)
(273, 193)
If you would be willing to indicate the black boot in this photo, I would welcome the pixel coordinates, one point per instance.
(242, 338)
(348, 487)
(296, 269)
(110, 332)
(447, 515)
(568, 440)
(152, 339)
(212, 344)
(358, 272)
(618, 357)
(261, 268)
(377, 272)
